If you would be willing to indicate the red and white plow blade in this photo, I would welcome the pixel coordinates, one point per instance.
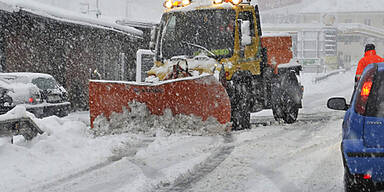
(202, 96)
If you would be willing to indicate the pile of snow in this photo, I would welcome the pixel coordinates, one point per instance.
(200, 62)
(17, 112)
(139, 120)
(68, 149)
(65, 146)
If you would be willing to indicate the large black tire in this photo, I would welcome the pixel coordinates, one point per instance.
(291, 92)
(241, 116)
(277, 112)
(286, 110)
(290, 110)
(356, 184)
(240, 104)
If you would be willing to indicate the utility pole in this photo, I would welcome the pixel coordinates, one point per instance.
(85, 8)
(98, 12)
(128, 9)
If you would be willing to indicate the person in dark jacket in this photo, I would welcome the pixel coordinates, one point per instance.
(370, 56)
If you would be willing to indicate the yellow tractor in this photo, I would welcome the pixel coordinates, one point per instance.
(211, 60)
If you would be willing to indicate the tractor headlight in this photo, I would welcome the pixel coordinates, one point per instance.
(186, 2)
(168, 4)
(217, 1)
(236, 2)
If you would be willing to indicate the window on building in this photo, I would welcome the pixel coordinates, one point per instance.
(348, 21)
(347, 42)
(347, 58)
(307, 44)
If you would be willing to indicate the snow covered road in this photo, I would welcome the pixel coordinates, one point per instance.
(300, 157)
(272, 156)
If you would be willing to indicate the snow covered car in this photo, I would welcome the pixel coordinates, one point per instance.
(40, 93)
(362, 145)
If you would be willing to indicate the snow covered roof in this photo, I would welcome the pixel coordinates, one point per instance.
(26, 76)
(287, 10)
(346, 6)
(65, 15)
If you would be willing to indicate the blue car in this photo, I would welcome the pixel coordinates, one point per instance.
(362, 146)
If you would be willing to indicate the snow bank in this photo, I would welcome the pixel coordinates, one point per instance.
(65, 146)
(316, 94)
(17, 112)
(139, 120)
(68, 150)
(198, 63)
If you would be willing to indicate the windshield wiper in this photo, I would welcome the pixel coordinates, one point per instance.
(201, 47)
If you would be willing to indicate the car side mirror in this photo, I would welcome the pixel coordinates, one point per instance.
(337, 103)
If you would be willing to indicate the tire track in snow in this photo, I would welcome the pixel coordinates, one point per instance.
(185, 181)
(71, 177)
(271, 169)
(313, 117)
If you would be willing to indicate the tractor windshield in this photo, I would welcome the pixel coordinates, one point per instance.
(184, 33)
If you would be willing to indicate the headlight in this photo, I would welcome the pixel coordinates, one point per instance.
(186, 2)
(236, 2)
(168, 4)
(217, 1)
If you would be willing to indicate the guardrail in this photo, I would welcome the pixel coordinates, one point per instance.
(329, 74)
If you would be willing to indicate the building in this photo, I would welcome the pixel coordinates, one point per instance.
(329, 34)
(353, 24)
(71, 47)
(272, 4)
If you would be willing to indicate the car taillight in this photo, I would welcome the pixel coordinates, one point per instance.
(364, 91)
(367, 176)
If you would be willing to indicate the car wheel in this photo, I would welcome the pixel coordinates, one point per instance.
(356, 184)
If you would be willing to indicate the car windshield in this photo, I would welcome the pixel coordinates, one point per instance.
(184, 32)
(45, 83)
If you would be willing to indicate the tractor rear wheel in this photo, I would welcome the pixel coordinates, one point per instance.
(290, 110)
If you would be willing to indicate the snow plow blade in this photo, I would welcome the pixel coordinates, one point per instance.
(202, 96)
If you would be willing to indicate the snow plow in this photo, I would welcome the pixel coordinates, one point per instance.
(210, 60)
(202, 96)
